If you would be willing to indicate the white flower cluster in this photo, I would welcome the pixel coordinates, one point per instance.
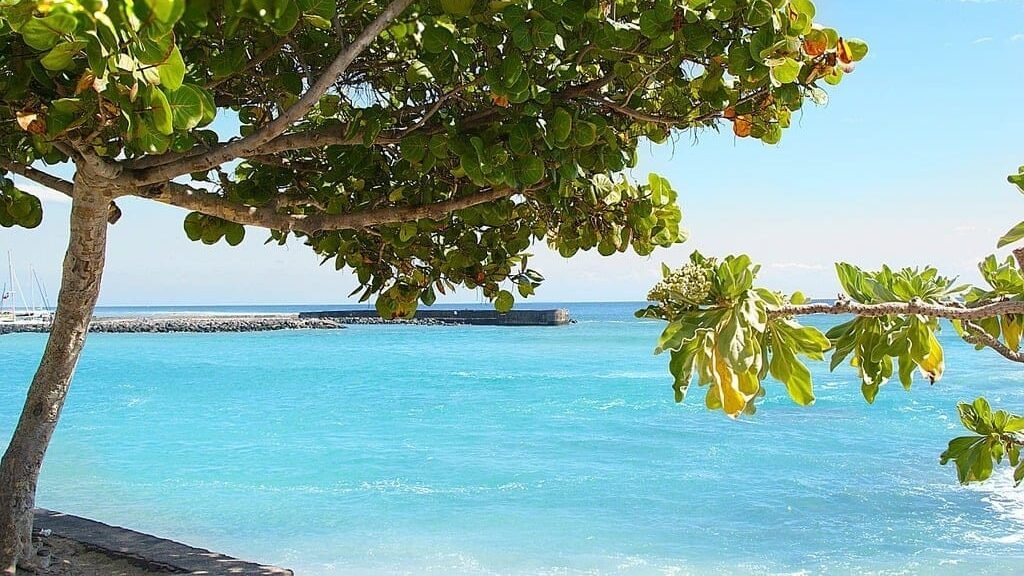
(690, 284)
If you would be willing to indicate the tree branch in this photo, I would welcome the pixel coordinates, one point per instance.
(38, 176)
(437, 105)
(252, 144)
(975, 335)
(212, 204)
(918, 307)
(54, 183)
(256, 61)
(671, 121)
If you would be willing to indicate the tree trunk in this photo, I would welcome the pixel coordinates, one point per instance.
(80, 286)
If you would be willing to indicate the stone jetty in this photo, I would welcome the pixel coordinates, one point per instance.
(552, 317)
(327, 320)
(188, 323)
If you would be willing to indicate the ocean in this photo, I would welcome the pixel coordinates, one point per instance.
(500, 450)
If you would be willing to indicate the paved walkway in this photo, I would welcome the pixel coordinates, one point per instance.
(134, 545)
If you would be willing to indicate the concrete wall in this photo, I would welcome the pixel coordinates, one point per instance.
(554, 317)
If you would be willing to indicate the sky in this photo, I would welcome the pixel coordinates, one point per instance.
(905, 165)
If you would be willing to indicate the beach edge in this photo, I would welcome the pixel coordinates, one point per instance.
(146, 549)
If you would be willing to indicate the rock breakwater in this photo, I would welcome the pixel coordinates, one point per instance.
(200, 324)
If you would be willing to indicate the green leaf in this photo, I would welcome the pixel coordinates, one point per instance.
(186, 105)
(1017, 179)
(760, 13)
(786, 368)
(1015, 234)
(407, 231)
(457, 7)
(167, 11)
(287, 18)
(61, 56)
(161, 111)
(428, 297)
(414, 148)
(585, 133)
(661, 190)
(147, 138)
(503, 303)
(317, 21)
(437, 39)
(858, 49)
(172, 71)
(528, 170)
(418, 72)
(561, 125)
(787, 71)
(194, 226)
(234, 234)
(44, 33)
(803, 7)
(519, 140)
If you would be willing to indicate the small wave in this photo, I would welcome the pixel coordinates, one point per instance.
(1007, 502)
(397, 486)
(631, 376)
(485, 375)
(388, 486)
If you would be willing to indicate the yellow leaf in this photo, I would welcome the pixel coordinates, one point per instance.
(85, 82)
(733, 400)
(933, 364)
(1011, 326)
(713, 400)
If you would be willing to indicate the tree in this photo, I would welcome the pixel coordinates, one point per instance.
(730, 335)
(424, 145)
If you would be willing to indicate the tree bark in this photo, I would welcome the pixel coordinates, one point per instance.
(80, 286)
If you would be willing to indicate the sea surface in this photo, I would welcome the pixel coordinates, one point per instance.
(503, 450)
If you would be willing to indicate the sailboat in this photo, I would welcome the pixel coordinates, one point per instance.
(30, 311)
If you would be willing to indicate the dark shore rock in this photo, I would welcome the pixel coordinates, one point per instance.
(156, 555)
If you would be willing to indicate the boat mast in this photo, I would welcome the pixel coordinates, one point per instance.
(15, 285)
(9, 295)
(32, 293)
(42, 291)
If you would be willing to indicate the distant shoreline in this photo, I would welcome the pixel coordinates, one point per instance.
(187, 323)
(213, 322)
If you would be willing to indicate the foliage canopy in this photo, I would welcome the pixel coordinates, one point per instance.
(468, 129)
(730, 335)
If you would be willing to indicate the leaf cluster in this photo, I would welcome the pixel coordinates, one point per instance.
(998, 436)
(880, 346)
(18, 208)
(719, 332)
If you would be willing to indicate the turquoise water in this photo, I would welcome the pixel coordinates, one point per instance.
(490, 450)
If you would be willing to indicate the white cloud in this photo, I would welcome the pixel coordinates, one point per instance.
(982, 40)
(1017, 38)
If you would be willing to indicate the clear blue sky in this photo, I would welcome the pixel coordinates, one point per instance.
(906, 165)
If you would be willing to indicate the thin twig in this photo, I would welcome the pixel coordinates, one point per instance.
(974, 334)
(256, 61)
